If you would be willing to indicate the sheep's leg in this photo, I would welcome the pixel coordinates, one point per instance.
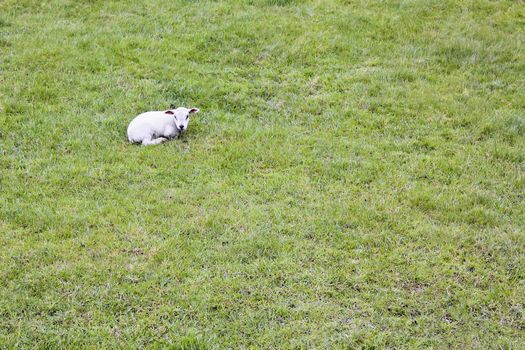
(149, 141)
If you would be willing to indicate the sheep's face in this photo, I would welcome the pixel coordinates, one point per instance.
(182, 117)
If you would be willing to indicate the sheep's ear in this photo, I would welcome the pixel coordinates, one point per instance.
(193, 110)
(169, 112)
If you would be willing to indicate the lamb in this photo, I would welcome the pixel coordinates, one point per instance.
(152, 128)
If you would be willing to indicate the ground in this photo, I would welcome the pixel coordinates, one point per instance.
(355, 178)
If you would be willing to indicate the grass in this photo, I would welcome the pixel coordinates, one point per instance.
(355, 178)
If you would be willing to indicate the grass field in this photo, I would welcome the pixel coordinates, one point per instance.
(355, 179)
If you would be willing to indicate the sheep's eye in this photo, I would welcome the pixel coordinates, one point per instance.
(187, 117)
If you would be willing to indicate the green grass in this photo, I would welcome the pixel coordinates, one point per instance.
(355, 179)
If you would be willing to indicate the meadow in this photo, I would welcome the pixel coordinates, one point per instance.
(355, 178)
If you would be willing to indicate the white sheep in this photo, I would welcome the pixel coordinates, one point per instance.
(152, 128)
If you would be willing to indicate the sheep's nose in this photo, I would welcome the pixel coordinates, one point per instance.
(181, 127)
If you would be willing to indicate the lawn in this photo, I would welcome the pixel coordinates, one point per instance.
(355, 178)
